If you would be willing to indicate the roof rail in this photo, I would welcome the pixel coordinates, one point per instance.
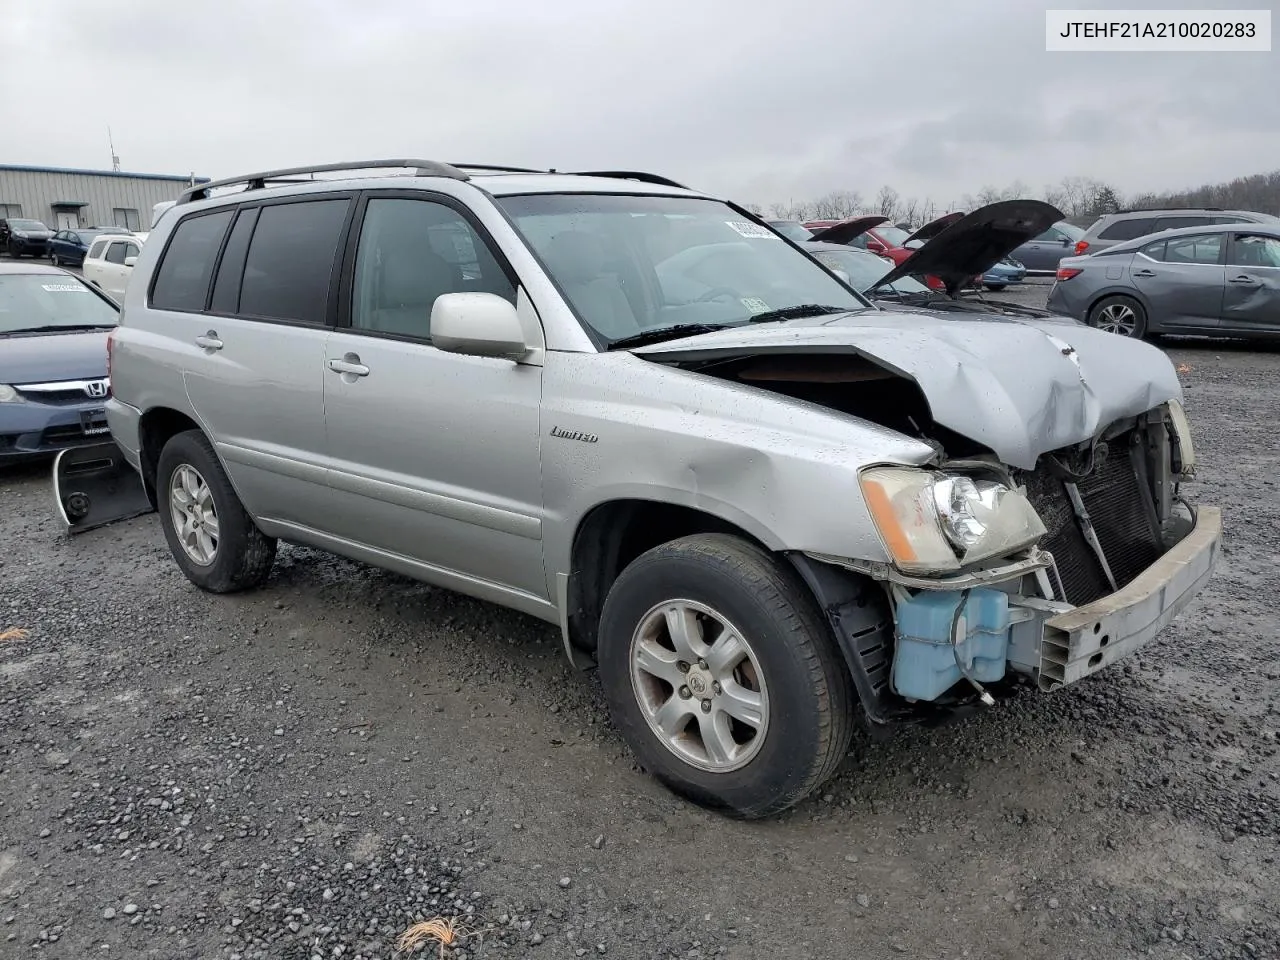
(497, 168)
(257, 181)
(1166, 209)
(630, 175)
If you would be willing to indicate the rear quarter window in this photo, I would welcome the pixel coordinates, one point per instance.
(1129, 229)
(182, 279)
(96, 250)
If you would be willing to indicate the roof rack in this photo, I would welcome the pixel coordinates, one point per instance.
(497, 168)
(1165, 209)
(257, 181)
(630, 175)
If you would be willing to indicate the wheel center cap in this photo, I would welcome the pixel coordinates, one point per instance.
(698, 681)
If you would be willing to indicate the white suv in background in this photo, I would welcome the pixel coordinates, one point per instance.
(109, 263)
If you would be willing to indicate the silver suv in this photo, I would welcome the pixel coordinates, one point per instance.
(765, 508)
(1113, 228)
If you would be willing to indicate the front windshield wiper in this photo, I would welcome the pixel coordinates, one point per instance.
(673, 332)
(61, 328)
(798, 311)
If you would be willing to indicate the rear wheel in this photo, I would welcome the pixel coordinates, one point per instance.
(995, 286)
(722, 675)
(53, 260)
(1121, 315)
(214, 541)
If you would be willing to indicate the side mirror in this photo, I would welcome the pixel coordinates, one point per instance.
(130, 261)
(1065, 241)
(477, 324)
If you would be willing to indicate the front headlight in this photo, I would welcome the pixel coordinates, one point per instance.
(1182, 430)
(9, 395)
(934, 522)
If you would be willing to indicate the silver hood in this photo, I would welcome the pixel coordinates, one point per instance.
(1019, 387)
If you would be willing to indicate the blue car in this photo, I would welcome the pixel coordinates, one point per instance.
(68, 247)
(53, 361)
(1003, 273)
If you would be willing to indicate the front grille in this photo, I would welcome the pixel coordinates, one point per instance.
(54, 397)
(1123, 519)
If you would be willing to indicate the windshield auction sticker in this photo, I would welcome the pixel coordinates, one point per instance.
(752, 230)
(1157, 31)
(64, 288)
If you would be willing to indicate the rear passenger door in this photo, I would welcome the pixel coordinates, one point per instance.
(1182, 280)
(250, 296)
(435, 455)
(112, 269)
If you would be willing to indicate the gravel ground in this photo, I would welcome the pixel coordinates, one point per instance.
(303, 771)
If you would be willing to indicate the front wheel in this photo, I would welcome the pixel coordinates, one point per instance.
(723, 677)
(995, 286)
(1121, 315)
(54, 261)
(213, 539)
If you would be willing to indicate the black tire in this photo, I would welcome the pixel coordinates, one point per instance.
(1110, 313)
(810, 699)
(995, 286)
(244, 554)
(53, 260)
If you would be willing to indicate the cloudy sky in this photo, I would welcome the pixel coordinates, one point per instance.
(761, 101)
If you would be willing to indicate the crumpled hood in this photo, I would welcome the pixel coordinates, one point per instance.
(58, 356)
(1020, 387)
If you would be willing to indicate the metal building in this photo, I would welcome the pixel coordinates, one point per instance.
(67, 199)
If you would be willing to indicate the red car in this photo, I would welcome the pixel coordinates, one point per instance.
(877, 235)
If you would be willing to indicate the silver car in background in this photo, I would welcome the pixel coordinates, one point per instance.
(1217, 280)
(766, 509)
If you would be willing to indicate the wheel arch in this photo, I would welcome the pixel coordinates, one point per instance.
(155, 428)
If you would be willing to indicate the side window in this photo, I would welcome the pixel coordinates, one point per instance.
(131, 250)
(1205, 248)
(1173, 223)
(1153, 250)
(226, 288)
(1052, 235)
(115, 253)
(182, 279)
(410, 253)
(96, 250)
(290, 262)
(1129, 229)
(1251, 250)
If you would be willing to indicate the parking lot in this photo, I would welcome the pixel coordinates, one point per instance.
(304, 770)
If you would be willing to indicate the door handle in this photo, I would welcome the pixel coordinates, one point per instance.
(1144, 273)
(209, 341)
(1245, 280)
(350, 363)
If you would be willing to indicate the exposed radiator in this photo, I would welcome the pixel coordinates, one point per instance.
(1123, 519)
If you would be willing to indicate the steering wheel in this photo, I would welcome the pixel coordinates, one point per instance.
(715, 293)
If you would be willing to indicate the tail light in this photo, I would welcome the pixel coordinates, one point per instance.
(1066, 273)
(1081, 247)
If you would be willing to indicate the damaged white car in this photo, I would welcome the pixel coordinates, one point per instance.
(761, 504)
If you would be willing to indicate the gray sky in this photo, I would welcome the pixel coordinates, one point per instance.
(759, 101)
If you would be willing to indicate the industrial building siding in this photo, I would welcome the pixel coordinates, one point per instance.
(37, 190)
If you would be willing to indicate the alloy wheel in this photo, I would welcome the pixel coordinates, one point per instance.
(699, 685)
(1118, 318)
(195, 520)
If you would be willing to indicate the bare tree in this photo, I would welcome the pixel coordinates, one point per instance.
(837, 205)
(886, 202)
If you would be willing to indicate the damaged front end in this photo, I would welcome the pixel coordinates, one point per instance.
(1115, 554)
(94, 485)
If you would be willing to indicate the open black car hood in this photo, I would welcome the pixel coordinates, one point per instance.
(975, 242)
(934, 227)
(848, 230)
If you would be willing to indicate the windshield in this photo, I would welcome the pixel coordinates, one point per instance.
(891, 235)
(629, 265)
(33, 300)
(26, 225)
(865, 269)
